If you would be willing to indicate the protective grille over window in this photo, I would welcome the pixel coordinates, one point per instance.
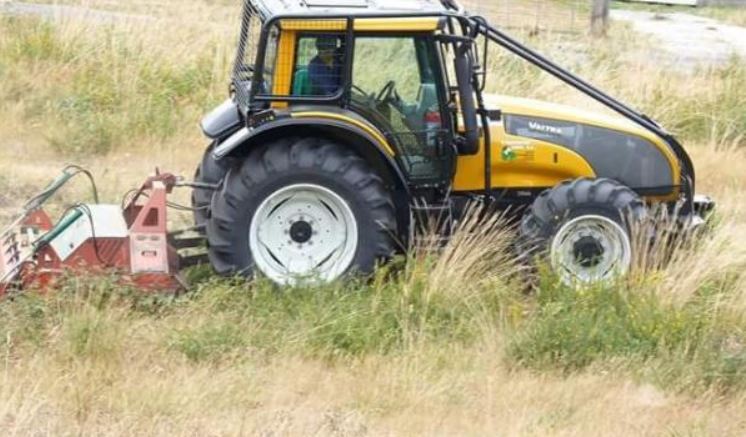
(251, 27)
(394, 84)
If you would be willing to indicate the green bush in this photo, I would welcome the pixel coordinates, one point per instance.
(207, 341)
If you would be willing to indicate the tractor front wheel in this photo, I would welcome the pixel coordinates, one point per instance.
(583, 227)
(301, 209)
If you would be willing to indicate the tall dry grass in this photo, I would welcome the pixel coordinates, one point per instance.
(98, 84)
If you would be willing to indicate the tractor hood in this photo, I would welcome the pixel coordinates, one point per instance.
(616, 148)
(552, 111)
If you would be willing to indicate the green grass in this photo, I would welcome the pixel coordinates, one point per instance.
(341, 320)
(219, 317)
(694, 347)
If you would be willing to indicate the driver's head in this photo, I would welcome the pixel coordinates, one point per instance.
(326, 47)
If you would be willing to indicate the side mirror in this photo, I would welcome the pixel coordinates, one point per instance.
(464, 70)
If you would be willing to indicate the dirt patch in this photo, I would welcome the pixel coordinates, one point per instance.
(685, 40)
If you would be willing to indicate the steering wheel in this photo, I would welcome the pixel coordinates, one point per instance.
(365, 97)
(361, 91)
(388, 94)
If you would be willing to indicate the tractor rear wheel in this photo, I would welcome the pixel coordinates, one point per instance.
(583, 227)
(209, 172)
(301, 209)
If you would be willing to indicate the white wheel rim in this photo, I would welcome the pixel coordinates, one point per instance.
(590, 249)
(302, 233)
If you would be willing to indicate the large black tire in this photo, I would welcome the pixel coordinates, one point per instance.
(211, 172)
(288, 162)
(573, 199)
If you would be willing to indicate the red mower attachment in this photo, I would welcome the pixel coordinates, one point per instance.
(131, 242)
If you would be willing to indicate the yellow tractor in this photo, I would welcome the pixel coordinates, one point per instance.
(349, 121)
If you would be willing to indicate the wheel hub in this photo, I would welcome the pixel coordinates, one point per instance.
(590, 248)
(588, 251)
(301, 231)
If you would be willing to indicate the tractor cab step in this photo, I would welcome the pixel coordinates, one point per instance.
(432, 224)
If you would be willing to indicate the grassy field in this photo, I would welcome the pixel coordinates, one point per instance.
(442, 344)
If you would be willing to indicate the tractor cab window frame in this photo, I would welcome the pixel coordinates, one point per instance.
(339, 98)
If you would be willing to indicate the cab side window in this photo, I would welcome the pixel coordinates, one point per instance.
(393, 76)
(394, 82)
(271, 60)
(319, 65)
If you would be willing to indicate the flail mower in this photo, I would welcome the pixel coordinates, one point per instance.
(130, 240)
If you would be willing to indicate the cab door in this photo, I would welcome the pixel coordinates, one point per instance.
(397, 84)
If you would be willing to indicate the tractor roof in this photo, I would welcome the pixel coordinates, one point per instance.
(271, 8)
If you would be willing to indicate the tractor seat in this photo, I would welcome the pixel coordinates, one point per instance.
(301, 83)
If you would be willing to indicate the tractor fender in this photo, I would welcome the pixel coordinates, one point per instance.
(365, 141)
(222, 121)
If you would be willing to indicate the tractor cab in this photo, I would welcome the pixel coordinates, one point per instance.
(347, 63)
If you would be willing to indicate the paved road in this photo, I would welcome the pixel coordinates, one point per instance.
(688, 40)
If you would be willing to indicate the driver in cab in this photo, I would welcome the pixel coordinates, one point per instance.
(325, 69)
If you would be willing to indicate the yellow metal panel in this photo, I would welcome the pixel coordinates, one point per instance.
(536, 108)
(314, 25)
(364, 126)
(365, 25)
(526, 164)
(426, 24)
(284, 64)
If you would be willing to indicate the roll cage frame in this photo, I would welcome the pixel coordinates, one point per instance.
(471, 27)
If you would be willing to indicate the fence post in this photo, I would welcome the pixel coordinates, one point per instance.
(599, 17)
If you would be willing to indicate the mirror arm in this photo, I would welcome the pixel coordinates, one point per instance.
(465, 77)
